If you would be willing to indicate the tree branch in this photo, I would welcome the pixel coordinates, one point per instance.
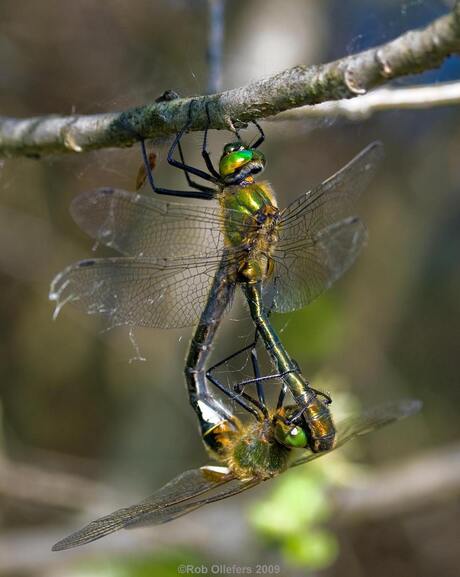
(413, 52)
(413, 97)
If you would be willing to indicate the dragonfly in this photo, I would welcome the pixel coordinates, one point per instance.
(182, 262)
(253, 454)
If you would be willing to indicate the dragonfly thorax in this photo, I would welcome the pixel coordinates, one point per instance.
(258, 264)
(257, 454)
(252, 226)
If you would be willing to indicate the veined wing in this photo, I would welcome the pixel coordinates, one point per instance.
(178, 497)
(307, 267)
(370, 420)
(162, 293)
(333, 199)
(147, 226)
(318, 237)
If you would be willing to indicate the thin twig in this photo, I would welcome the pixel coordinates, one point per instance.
(413, 52)
(414, 97)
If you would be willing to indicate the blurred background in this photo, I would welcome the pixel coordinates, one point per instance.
(84, 431)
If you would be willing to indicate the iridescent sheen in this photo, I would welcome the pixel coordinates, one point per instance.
(231, 162)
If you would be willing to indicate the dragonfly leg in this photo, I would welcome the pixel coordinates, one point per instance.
(186, 167)
(287, 368)
(296, 416)
(242, 399)
(240, 386)
(229, 358)
(281, 396)
(256, 371)
(206, 195)
(202, 194)
(191, 182)
(237, 395)
(258, 379)
(204, 148)
(326, 396)
(261, 138)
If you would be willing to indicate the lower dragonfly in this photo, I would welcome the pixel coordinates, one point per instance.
(249, 455)
(182, 262)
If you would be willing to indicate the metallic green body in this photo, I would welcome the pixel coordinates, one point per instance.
(212, 415)
(317, 414)
(246, 202)
(252, 205)
(253, 209)
(248, 198)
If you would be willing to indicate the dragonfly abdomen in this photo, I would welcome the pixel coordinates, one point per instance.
(214, 419)
(320, 425)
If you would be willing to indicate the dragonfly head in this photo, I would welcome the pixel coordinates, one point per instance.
(292, 435)
(238, 162)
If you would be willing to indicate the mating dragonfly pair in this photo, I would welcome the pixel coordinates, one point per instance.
(181, 265)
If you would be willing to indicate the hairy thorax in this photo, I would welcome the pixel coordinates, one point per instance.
(255, 453)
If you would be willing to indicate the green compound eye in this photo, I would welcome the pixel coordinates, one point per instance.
(232, 161)
(294, 437)
(232, 147)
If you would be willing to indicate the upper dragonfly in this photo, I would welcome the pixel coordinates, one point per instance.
(182, 261)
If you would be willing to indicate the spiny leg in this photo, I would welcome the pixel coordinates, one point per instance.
(258, 380)
(256, 370)
(241, 399)
(202, 191)
(237, 395)
(190, 182)
(261, 138)
(190, 169)
(281, 396)
(240, 386)
(288, 369)
(201, 194)
(204, 148)
(230, 357)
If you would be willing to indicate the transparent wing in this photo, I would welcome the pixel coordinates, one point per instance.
(305, 268)
(318, 238)
(168, 293)
(176, 498)
(137, 225)
(333, 199)
(370, 420)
